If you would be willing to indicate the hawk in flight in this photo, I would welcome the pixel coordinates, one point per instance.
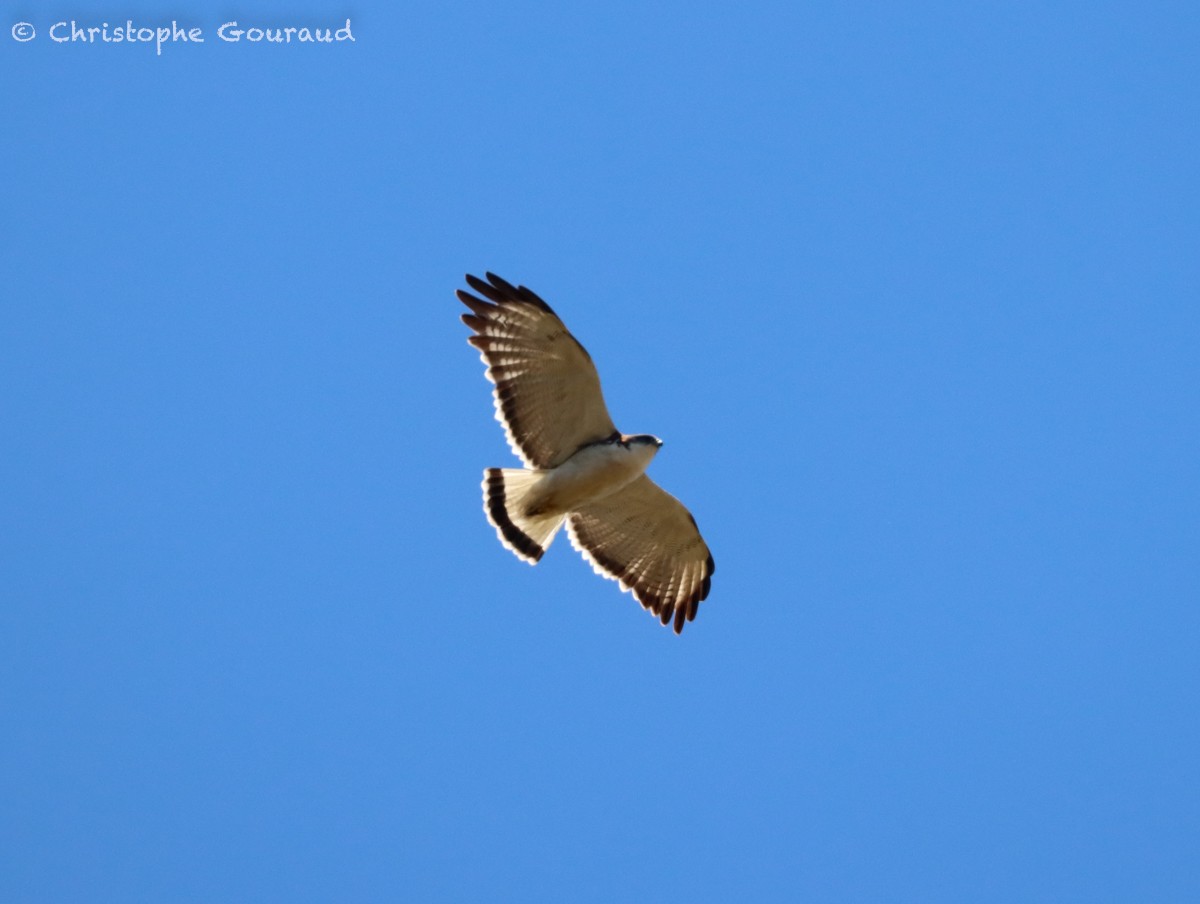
(578, 467)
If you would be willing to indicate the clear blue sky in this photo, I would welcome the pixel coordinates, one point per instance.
(910, 291)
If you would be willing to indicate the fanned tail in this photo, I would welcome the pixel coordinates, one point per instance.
(504, 493)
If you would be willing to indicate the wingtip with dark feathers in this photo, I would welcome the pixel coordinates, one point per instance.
(498, 291)
(686, 611)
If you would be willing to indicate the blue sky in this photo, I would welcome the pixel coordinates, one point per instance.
(910, 291)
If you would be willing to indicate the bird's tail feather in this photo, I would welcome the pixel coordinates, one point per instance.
(504, 493)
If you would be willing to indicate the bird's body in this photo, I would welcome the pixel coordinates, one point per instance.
(593, 472)
(579, 469)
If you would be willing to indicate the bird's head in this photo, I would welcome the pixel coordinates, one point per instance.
(642, 443)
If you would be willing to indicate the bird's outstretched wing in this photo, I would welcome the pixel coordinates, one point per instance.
(643, 537)
(547, 391)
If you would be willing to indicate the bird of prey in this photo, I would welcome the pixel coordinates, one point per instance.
(579, 468)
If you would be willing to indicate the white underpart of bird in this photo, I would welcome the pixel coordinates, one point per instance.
(537, 501)
(579, 470)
